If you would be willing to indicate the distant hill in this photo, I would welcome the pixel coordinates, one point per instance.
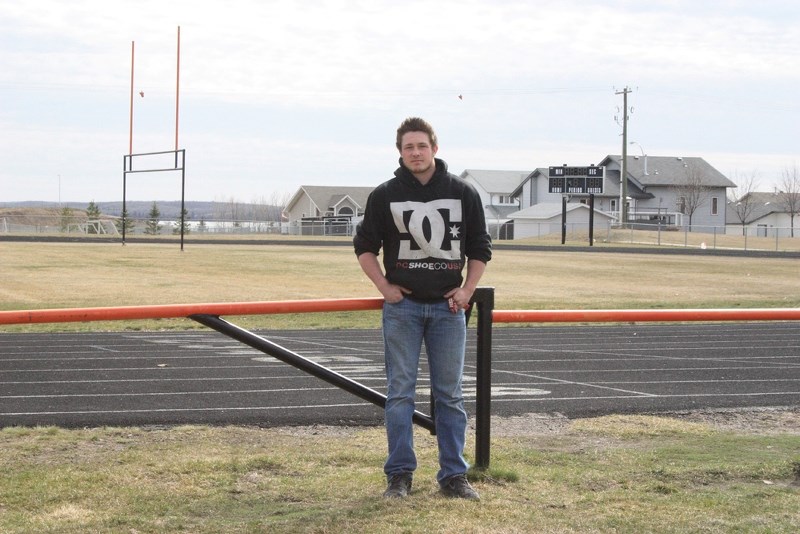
(169, 209)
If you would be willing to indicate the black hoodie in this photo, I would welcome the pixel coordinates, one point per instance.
(426, 231)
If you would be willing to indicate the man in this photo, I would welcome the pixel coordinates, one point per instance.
(430, 223)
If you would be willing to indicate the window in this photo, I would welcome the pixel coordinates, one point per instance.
(714, 205)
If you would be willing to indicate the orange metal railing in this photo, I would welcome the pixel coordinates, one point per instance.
(209, 313)
(168, 311)
(650, 315)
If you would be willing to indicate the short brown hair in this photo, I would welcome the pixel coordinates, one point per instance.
(415, 124)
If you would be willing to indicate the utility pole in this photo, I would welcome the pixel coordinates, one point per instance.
(623, 177)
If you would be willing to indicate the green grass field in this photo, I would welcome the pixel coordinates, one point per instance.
(627, 474)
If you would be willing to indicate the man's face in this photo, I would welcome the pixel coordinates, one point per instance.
(417, 153)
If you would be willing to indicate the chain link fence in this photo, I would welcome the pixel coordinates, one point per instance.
(733, 237)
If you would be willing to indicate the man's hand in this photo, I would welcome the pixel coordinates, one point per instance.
(392, 293)
(460, 297)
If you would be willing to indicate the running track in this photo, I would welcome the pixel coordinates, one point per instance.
(93, 379)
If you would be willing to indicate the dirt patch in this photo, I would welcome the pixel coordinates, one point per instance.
(530, 424)
(782, 420)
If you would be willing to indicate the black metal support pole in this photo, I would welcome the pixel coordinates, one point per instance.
(183, 189)
(563, 219)
(259, 343)
(125, 165)
(591, 220)
(484, 299)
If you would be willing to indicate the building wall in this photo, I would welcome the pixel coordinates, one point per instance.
(667, 198)
(486, 199)
(302, 208)
(577, 221)
(774, 224)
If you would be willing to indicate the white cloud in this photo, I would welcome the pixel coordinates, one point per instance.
(271, 88)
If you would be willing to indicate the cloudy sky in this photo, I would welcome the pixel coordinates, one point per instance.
(278, 94)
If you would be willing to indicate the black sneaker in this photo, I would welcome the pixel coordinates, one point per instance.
(399, 486)
(458, 486)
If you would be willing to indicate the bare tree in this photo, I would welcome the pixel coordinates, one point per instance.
(789, 194)
(692, 192)
(266, 211)
(260, 213)
(741, 200)
(228, 210)
(235, 211)
(280, 201)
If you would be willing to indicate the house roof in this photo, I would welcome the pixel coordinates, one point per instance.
(668, 170)
(760, 206)
(517, 191)
(324, 196)
(549, 210)
(502, 182)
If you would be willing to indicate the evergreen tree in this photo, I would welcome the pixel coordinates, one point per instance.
(176, 226)
(153, 227)
(93, 213)
(67, 218)
(129, 223)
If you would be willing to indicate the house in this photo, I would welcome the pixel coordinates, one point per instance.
(546, 219)
(764, 215)
(672, 190)
(495, 189)
(657, 191)
(326, 210)
(535, 191)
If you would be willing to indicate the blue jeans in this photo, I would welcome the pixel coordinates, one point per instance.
(406, 325)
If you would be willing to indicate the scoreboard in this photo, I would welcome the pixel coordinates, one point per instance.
(576, 180)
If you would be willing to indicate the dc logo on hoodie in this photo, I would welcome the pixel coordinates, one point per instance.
(433, 229)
